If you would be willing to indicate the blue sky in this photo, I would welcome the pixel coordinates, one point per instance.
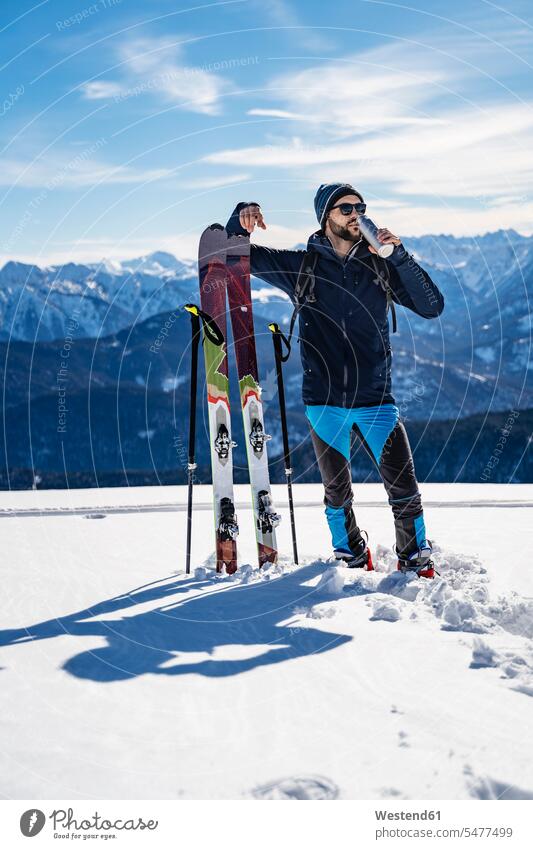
(129, 126)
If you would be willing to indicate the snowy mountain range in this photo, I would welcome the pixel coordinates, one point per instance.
(451, 376)
(483, 277)
(478, 354)
(41, 304)
(116, 411)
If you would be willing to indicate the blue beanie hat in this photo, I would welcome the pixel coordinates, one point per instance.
(326, 196)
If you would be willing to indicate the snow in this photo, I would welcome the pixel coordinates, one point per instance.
(386, 613)
(125, 678)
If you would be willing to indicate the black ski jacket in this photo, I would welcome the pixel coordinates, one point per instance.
(344, 335)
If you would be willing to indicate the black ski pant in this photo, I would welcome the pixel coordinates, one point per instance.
(385, 440)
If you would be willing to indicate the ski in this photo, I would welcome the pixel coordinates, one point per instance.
(213, 281)
(240, 303)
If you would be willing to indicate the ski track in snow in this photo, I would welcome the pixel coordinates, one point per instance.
(109, 510)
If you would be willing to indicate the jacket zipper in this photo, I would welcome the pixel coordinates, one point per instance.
(343, 323)
(345, 366)
(344, 338)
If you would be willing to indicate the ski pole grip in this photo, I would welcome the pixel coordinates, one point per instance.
(279, 338)
(211, 328)
(192, 309)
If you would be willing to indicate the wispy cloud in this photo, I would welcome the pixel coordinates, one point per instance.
(357, 94)
(412, 118)
(54, 172)
(101, 90)
(282, 13)
(465, 155)
(152, 67)
(214, 182)
(279, 113)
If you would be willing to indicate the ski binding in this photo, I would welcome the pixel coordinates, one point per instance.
(227, 524)
(267, 518)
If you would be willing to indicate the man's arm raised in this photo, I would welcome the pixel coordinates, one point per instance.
(278, 267)
(411, 285)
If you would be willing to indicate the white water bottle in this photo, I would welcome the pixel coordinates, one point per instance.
(369, 230)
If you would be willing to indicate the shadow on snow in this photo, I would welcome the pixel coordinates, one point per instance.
(163, 641)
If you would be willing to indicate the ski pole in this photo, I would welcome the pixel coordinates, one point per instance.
(213, 332)
(191, 465)
(278, 338)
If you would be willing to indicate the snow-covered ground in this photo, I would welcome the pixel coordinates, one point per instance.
(124, 678)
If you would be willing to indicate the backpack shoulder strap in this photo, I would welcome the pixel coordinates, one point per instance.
(304, 292)
(304, 289)
(382, 279)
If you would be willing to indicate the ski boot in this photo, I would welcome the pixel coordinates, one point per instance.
(418, 561)
(361, 558)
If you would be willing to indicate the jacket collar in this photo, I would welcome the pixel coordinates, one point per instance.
(320, 243)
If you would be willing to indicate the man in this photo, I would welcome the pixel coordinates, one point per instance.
(346, 359)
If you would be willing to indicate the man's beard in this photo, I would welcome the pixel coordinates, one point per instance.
(344, 233)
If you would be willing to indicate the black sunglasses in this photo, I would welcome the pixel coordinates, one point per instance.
(346, 208)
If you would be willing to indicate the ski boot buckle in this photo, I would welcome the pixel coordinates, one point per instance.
(419, 562)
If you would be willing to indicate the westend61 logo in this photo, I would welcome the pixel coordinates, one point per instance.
(33, 820)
